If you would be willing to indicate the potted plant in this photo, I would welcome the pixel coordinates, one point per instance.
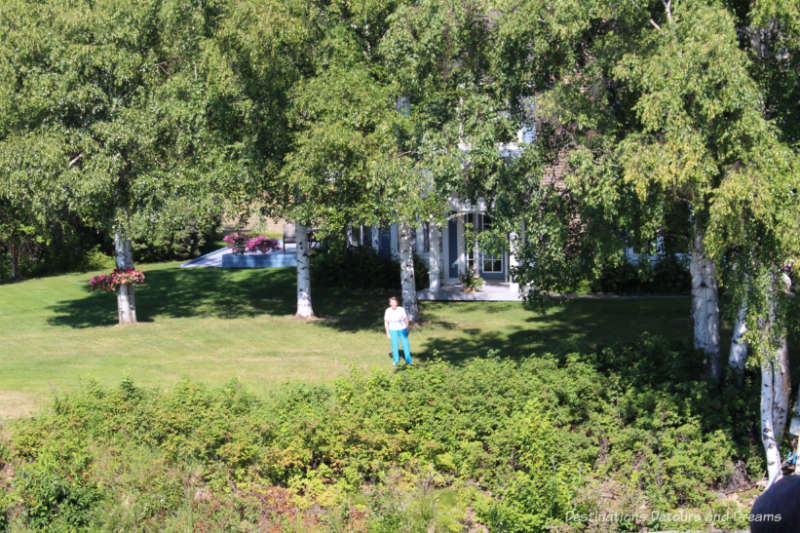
(471, 281)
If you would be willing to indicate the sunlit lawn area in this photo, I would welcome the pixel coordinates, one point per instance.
(213, 325)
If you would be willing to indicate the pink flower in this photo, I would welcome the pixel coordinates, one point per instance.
(262, 244)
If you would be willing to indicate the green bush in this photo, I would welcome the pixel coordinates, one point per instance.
(95, 259)
(56, 493)
(670, 275)
(518, 441)
(361, 267)
(176, 238)
(64, 247)
(538, 496)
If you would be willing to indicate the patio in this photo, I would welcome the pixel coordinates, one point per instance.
(224, 258)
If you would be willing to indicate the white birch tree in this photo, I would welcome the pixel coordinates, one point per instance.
(705, 301)
(754, 220)
(303, 251)
(699, 111)
(435, 257)
(408, 286)
(130, 113)
(738, 352)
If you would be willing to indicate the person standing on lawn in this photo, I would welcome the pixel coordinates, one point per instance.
(396, 322)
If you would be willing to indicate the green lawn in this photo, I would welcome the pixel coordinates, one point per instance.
(213, 325)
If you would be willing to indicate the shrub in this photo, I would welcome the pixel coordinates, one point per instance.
(382, 450)
(55, 488)
(670, 275)
(179, 234)
(361, 267)
(471, 280)
(63, 247)
(95, 259)
(538, 495)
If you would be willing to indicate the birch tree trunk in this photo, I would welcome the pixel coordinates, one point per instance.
(768, 436)
(434, 257)
(13, 249)
(775, 391)
(303, 251)
(407, 282)
(350, 236)
(376, 238)
(705, 302)
(738, 354)
(126, 301)
(514, 241)
(774, 408)
(783, 382)
(781, 388)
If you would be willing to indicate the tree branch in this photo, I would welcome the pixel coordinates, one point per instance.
(653, 22)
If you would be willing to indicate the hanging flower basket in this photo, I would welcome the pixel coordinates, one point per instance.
(110, 282)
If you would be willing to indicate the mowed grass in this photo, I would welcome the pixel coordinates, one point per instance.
(212, 325)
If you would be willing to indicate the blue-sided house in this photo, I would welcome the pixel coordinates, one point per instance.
(448, 253)
(449, 256)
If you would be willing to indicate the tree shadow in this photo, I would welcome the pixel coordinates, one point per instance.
(176, 292)
(578, 325)
(214, 292)
(351, 310)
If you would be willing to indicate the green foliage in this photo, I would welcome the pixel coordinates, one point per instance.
(670, 275)
(180, 237)
(777, 57)
(95, 259)
(361, 267)
(115, 115)
(396, 451)
(471, 280)
(57, 494)
(539, 495)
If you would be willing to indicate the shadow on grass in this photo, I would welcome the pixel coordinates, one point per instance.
(578, 325)
(176, 292)
(223, 293)
(213, 292)
(351, 310)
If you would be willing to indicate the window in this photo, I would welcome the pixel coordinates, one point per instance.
(492, 264)
(489, 263)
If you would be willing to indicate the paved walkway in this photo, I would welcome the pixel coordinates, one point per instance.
(490, 291)
(497, 291)
(214, 259)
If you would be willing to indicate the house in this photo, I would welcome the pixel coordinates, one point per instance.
(447, 252)
(448, 257)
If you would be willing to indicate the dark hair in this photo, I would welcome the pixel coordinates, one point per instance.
(394, 298)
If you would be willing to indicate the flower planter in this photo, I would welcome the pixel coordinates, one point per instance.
(258, 260)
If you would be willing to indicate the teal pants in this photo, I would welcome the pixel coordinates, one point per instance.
(400, 334)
